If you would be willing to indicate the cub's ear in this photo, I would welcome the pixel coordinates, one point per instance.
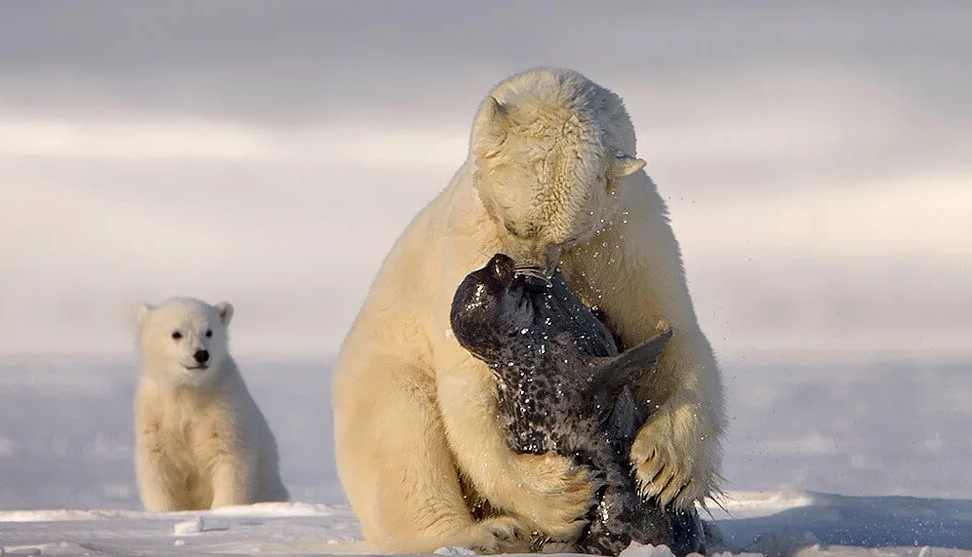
(624, 165)
(225, 312)
(492, 125)
(143, 311)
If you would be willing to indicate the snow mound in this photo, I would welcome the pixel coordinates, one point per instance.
(189, 527)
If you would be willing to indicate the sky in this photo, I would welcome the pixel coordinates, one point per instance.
(816, 159)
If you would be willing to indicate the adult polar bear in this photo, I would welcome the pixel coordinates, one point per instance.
(551, 177)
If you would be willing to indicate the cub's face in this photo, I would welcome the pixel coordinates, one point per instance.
(548, 185)
(185, 338)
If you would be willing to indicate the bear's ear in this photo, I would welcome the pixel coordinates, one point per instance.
(143, 310)
(495, 116)
(493, 124)
(225, 310)
(624, 165)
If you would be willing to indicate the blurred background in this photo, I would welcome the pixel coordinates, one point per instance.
(816, 158)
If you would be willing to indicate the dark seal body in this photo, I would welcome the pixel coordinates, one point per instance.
(562, 387)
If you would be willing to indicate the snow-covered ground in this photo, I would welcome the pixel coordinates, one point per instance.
(892, 440)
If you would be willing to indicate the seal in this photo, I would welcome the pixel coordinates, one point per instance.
(562, 387)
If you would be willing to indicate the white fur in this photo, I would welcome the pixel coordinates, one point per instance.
(551, 175)
(201, 440)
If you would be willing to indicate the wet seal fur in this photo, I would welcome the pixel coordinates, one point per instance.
(562, 387)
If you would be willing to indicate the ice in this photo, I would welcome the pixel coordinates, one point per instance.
(68, 483)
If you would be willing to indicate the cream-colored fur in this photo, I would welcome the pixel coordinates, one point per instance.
(201, 440)
(551, 176)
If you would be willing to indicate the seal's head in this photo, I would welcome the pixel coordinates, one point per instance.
(494, 303)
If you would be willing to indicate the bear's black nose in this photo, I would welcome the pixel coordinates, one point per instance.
(201, 356)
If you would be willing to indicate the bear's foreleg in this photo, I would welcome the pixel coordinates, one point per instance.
(234, 477)
(396, 467)
(157, 488)
(677, 452)
(547, 492)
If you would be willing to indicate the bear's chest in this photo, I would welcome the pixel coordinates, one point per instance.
(189, 438)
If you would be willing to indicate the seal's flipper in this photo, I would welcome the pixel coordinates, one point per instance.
(613, 373)
(625, 419)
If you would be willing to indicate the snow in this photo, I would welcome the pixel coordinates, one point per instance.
(189, 526)
(772, 524)
(857, 460)
(450, 550)
(270, 528)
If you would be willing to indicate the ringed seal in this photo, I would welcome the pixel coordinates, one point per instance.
(562, 387)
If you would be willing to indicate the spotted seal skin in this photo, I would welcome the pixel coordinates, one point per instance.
(562, 387)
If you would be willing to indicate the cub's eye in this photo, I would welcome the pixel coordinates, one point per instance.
(176, 335)
(209, 333)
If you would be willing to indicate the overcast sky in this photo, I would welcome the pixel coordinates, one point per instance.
(817, 158)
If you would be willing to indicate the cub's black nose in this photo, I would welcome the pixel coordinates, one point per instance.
(201, 356)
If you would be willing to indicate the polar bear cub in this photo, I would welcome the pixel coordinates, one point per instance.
(201, 440)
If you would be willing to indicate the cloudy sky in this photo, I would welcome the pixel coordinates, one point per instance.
(817, 159)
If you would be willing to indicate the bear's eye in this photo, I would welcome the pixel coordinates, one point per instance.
(526, 232)
(209, 333)
(176, 335)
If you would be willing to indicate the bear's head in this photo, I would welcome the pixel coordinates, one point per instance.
(184, 339)
(548, 163)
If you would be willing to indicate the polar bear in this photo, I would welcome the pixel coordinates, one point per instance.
(551, 178)
(201, 440)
